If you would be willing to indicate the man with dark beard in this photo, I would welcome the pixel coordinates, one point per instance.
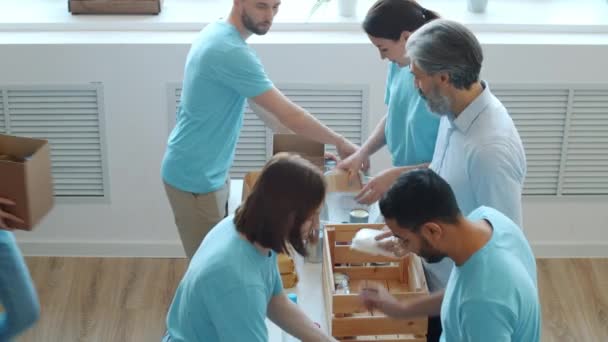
(221, 72)
(492, 292)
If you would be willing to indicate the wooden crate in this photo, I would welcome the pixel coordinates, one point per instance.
(289, 280)
(114, 6)
(347, 318)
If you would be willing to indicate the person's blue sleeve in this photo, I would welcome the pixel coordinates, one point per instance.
(239, 314)
(496, 178)
(241, 70)
(484, 321)
(389, 80)
(17, 293)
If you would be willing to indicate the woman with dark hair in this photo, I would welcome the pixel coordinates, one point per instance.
(232, 283)
(409, 129)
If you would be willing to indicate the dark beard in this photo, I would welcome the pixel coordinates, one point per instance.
(429, 254)
(433, 259)
(251, 26)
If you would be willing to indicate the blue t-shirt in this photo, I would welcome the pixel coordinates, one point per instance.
(411, 128)
(225, 291)
(221, 72)
(493, 296)
(18, 296)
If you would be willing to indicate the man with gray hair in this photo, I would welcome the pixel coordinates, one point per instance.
(478, 150)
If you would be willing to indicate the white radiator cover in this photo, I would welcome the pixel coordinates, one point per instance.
(70, 117)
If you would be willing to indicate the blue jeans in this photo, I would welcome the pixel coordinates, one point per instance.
(17, 293)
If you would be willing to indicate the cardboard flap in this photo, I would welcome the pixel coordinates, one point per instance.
(297, 144)
(248, 183)
(19, 147)
(39, 185)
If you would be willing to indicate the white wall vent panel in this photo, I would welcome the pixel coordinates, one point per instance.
(539, 115)
(71, 119)
(564, 130)
(586, 160)
(341, 107)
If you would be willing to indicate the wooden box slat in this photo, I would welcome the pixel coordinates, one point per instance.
(377, 325)
(386, 338)
(346, 255)
(346, 232)
(350, 303)
(389, 272)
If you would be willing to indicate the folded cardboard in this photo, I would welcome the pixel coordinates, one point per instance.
(339, 181)
(25, 178)
(308, 149)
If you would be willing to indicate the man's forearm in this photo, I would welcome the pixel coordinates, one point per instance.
(303, 123)
(296, 119)
(427, 306)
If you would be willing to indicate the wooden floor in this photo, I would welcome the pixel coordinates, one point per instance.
(92, 299)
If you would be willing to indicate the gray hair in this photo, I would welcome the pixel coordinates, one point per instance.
(444, 46)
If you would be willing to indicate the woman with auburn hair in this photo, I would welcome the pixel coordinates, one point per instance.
(232, 283)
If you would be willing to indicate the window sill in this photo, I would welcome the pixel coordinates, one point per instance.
(558, 16)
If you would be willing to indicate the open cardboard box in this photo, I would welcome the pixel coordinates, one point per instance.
(25, 178)
(308, 149)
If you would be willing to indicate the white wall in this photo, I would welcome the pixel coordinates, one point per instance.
(137, 220)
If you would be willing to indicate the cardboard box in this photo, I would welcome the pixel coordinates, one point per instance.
(114, 6)
(308, 149)
(338, 181)
(248, 182)
(25, 178)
